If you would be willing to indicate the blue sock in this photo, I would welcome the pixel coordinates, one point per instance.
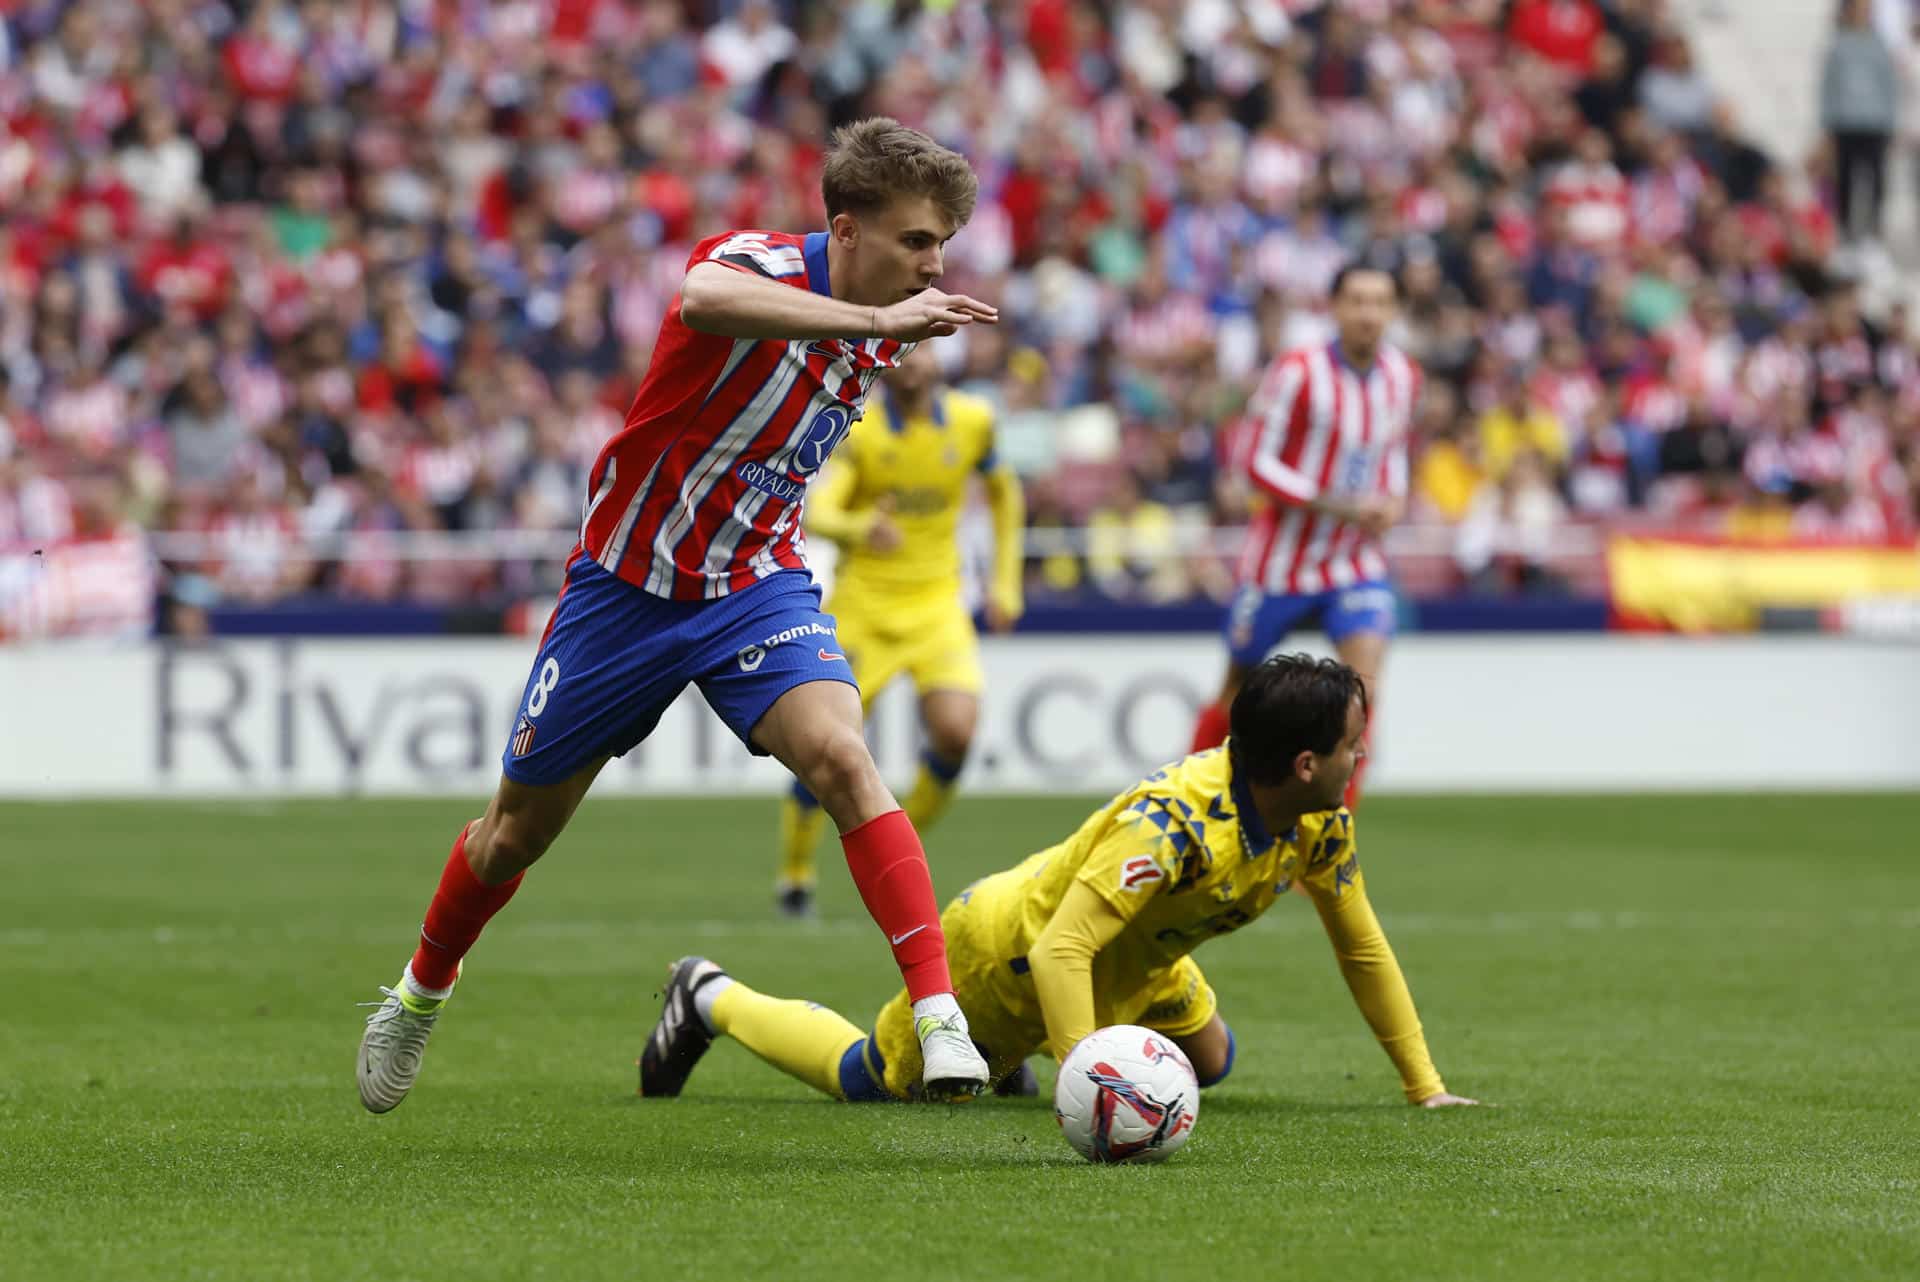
(940, 768)
(863, 1074)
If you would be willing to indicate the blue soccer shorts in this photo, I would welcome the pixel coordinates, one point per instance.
(1257, 622)
(614, 657)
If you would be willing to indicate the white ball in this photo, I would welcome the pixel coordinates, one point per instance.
(1126, 1094)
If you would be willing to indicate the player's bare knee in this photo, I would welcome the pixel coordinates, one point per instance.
(839, 770)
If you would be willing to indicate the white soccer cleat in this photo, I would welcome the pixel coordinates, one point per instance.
(953, 1068)
(391, 1048)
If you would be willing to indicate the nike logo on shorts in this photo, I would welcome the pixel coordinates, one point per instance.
(901, 939)
(827, 656)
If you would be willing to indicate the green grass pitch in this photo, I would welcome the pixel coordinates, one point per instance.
(1698, 1017)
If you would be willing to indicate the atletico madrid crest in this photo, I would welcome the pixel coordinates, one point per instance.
(522, 737)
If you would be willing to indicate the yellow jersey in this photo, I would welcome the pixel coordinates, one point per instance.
(1183, 857)
(915, 469)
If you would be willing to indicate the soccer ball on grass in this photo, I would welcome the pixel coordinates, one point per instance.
(1126, 1094)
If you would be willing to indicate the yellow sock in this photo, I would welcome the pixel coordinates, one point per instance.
(801, 1039)
(799, 834)
(932, 790)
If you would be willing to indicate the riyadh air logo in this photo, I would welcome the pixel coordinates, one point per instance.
(767, 481)
(827, 430)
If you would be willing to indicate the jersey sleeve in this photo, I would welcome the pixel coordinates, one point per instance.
(761, 255)
(1280, 440)
(1006, 502)
(1366, 960)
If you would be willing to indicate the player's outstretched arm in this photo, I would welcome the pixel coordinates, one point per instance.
(1374, 978)
(1062, 964)
(718, 299)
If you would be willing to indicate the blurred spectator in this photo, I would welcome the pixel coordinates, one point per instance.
(1859, 105)
(205, 437)
(1673, 91)
(1519, 424)
(1564, 32)
(1132, 544)
(1448, 475)
(1506, 541)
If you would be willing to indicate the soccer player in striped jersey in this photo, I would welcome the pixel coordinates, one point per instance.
(1328, 465)
(689, 571)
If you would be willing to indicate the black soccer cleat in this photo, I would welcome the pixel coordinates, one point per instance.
(680, 1036)
(1021, 1081)
(794, 900)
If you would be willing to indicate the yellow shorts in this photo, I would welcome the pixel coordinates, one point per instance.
(933, 643)
(1002, 1011)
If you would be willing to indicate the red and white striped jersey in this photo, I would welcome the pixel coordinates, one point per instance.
(1324, 428)
(699, 494)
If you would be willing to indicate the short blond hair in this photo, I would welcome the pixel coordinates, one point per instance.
(873, 162)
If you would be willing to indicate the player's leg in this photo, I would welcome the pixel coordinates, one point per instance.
(874, 663)
(1210, 1051)
(1359, 622)
(593, 691)
(1210, 728)
(948, 718)
(945, 663)
(802, 1039)
(1182, 1005)
(796, 701)
(484, 869)
(893, 1052)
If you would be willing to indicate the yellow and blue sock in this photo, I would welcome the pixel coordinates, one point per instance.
(800, 820)
(932, 789)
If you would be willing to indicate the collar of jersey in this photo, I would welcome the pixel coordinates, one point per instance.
(1339, 355)
(814, 250)
(897, 422)
(1255, 828)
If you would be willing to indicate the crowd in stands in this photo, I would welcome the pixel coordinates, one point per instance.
(291, 274)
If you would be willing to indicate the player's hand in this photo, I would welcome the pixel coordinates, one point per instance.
(884, 535)
(929, 314)
(999, 617)
(1446, 1100)
(1376, 515)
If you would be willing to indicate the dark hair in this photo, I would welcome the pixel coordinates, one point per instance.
(872, 161)
(1354, 267)
(1290, 704)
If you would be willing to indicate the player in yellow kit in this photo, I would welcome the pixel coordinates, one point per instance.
(1101, 928)
(891, 499)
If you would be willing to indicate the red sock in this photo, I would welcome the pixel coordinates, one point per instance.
(890, 870)
(461, 907)
(1210, 731)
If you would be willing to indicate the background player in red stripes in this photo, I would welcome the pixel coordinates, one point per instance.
(1329, 463)
(689, 570)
